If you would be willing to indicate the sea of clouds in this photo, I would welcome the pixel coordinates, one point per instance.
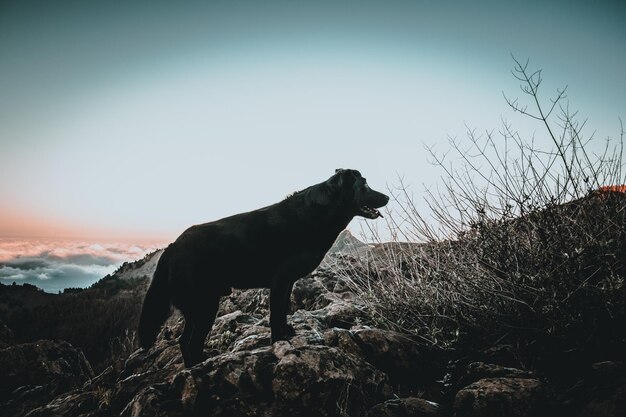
(54, 265)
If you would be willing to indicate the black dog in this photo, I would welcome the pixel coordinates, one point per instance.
(267, 248)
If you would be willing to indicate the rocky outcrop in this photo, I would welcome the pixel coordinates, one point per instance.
(406, 407)
(494, 397)
(279, 380)
(335, 365)
(244, 374)
(347, 244)
(33, 373)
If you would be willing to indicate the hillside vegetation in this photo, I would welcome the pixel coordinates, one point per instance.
(527, 246)
(100, 320)
(553, 279)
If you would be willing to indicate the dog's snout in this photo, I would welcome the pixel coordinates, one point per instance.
(379, 199)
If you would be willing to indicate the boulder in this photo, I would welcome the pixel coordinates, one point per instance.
(399, 356)
(33, 373)
(405, 407)
(496, 397)
(278, 380)
(248, 301)
(501, 354)
(602, 393)
(75, 403)
(480, 370)
(308, 294)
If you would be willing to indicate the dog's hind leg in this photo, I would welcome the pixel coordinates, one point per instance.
(280, 299)
(203, 322)
(184, 339)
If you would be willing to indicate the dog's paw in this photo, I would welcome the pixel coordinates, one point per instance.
(289, 331)
(286, 333)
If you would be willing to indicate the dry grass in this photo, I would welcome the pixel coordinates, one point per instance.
(520, 242)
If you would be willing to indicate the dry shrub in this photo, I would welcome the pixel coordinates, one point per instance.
(524, 241)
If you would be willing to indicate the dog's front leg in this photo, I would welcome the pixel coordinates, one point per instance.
(280, 298)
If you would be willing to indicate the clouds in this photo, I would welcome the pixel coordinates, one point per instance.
(55, 265)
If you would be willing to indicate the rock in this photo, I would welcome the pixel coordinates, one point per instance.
(504, 355)
(608, 402)
(608, 370)
(395, 354)
(325, 380)
(480, 370)
(342, 310)
(308, 294)
(82, 404)
(278, 380)
(346, 243)
(253, 337)
(248, 301)
(405, 407)
(601, 394)
(33, 373)
(228, 328)
(496, 397)
(343, 339)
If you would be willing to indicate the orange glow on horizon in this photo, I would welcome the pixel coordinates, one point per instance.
(22, 224)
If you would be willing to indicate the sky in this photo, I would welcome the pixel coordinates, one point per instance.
(134, 120)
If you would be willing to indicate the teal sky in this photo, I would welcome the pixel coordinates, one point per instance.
(138, 120)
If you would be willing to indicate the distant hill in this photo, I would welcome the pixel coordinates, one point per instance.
(139, 269)
(347, 244)
(16, 297)
(108, 310)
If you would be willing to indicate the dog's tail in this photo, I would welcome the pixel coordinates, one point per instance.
(156, 305)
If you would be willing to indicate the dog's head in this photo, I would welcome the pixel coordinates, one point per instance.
(355, 192)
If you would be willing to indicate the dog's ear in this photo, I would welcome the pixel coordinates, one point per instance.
(336, 181)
